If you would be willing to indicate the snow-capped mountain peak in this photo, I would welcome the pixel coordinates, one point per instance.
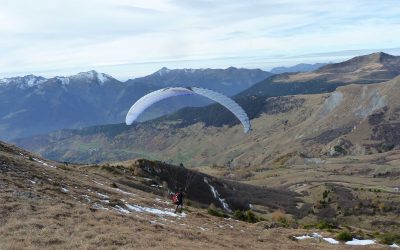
(5, 81)
(163, 71)
(102, 78)
(32, 80)
(63, 80)
(23, 82)
(93, 75)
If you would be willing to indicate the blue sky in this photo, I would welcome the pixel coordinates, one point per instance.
(130, 38)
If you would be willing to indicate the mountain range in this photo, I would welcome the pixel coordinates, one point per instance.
(32, 105)
(312, 115)
(229, 81)
(372, 68)
(301, 67)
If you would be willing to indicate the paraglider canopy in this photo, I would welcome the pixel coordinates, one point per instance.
(146, 101)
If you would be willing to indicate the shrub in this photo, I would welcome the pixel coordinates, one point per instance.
(213, 212)
(239, 215)
(344, 236)
(323, 224)
(251, 217)
(112, 169)
(387, 147)
(389, 238)
(217, 213)
(382, 206)
(283, 221)
(278, 215)
(309, 226)
(325, 194)
(64, 167)
(320, 225)
(247, 216)
(339, 149)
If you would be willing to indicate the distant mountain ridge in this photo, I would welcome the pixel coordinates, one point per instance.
(229, 81)
(376, 63)
(366, 69)
(34, 105)
(22, 82)
(302, 67)
(33, 80)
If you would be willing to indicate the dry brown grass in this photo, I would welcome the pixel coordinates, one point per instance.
(279, 215)
(40, 216)
(60, 226)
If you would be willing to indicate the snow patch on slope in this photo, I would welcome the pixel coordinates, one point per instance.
(5, 81)
(90, 75)
(103, 196)
(63, 80)
(317, 236)
(102, 78)
(32, 80)
(43, 163)
(121, 210)
(356, 242)
(151, 210)
(217, 196)
(123, 192)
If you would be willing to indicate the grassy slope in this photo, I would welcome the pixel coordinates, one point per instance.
(37, 213)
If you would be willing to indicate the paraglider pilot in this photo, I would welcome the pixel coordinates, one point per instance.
(178, 200)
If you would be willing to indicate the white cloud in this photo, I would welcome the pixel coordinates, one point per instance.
(127, 38)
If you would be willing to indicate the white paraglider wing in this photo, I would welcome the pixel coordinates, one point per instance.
(146, 101)
(228, 103)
